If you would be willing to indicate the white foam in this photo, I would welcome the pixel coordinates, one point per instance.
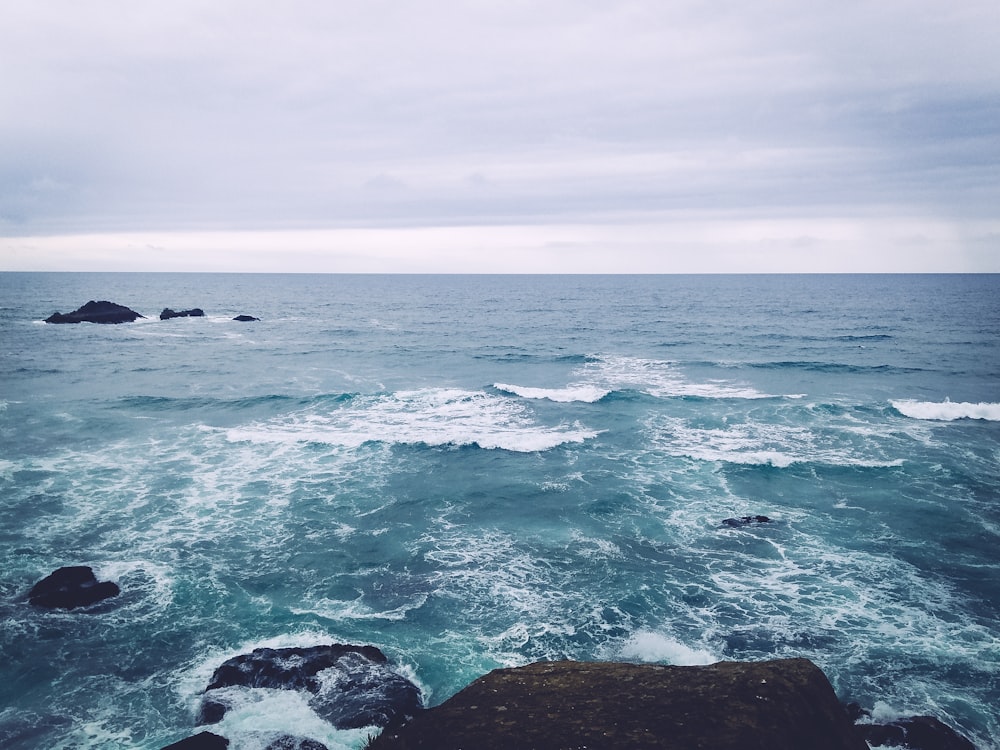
(650, 646)
(756, 443)
(338, 610)
(584, 393)
(258, 715)
(435, 417)
(661, 379)
(947, 411)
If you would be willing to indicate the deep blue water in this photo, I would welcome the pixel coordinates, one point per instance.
(481, 471)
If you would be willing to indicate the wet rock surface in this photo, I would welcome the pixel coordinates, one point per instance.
(201, 741)
(96, 312)
(349, 686)
(195, 312)
(783, 704)
(71, 587)
(745, 521)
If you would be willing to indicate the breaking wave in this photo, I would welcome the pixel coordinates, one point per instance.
(947, 411)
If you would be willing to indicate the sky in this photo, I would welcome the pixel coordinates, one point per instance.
(572, 136)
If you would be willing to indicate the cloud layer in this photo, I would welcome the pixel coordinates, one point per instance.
(225, 116)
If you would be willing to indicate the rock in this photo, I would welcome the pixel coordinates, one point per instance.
(71, 587)
(201, 741)
(784, 704)
(916, 733)
(194, 312)
(245, 318)
(96, 312)
(287, 742)
(350, 686)
(745, 520)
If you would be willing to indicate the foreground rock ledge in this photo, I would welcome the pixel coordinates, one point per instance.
(785, 704)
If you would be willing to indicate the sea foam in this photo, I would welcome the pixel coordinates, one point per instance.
(435, 417)
(585, 393)
(947, 411)
(650, 646)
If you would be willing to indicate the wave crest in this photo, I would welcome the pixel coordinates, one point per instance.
(947, 411)
(435, 417)
(587, 394)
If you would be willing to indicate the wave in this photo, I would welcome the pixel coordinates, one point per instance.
(868, 337)
(587, 394)
(167, 403)
(762, 444)
(947, 411)
(832, 367)
(661, 379)
(434, 417)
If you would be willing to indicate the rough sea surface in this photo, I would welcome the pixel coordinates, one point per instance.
(480, 471)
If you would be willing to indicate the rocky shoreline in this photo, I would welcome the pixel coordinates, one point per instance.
(781, 704)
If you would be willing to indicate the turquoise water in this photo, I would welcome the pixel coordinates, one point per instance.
(480, 471)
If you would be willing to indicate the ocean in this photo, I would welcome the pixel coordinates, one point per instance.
(473, 472)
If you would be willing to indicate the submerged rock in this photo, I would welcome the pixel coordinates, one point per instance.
(200, 741)
(745, 520)
(194, 312)
(71, 587)
(784, 704)
(245, 318)
(96, 312)
(349, 686)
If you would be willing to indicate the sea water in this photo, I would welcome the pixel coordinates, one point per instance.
(473, 472)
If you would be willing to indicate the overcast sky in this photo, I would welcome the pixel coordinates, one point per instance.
(489, 135)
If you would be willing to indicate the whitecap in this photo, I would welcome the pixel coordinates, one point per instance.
(650, 646)
(435, 417)
(661, 379)
(582, 392)
(947, 411)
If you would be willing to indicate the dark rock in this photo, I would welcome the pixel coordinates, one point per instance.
(350, 686)
(784, 704)
(245, 318)
(287, 742)
(71, 587)
(96, 312)
(745, 520)
(201, 741)
(195, 312)
(916, 733)
(855, 711)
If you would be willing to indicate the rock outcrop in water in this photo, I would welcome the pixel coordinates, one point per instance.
(745, 520)
(96, 312)
(349, 686)
(915, 733)
(245, 318)
(71, 587)
(784, 704)
(194, 312)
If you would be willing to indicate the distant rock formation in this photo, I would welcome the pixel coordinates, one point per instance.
(245, 318)
(349, 686)
(96, 312)
(71, 587)
(194, 312)
(785, 704)
(745, 520)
